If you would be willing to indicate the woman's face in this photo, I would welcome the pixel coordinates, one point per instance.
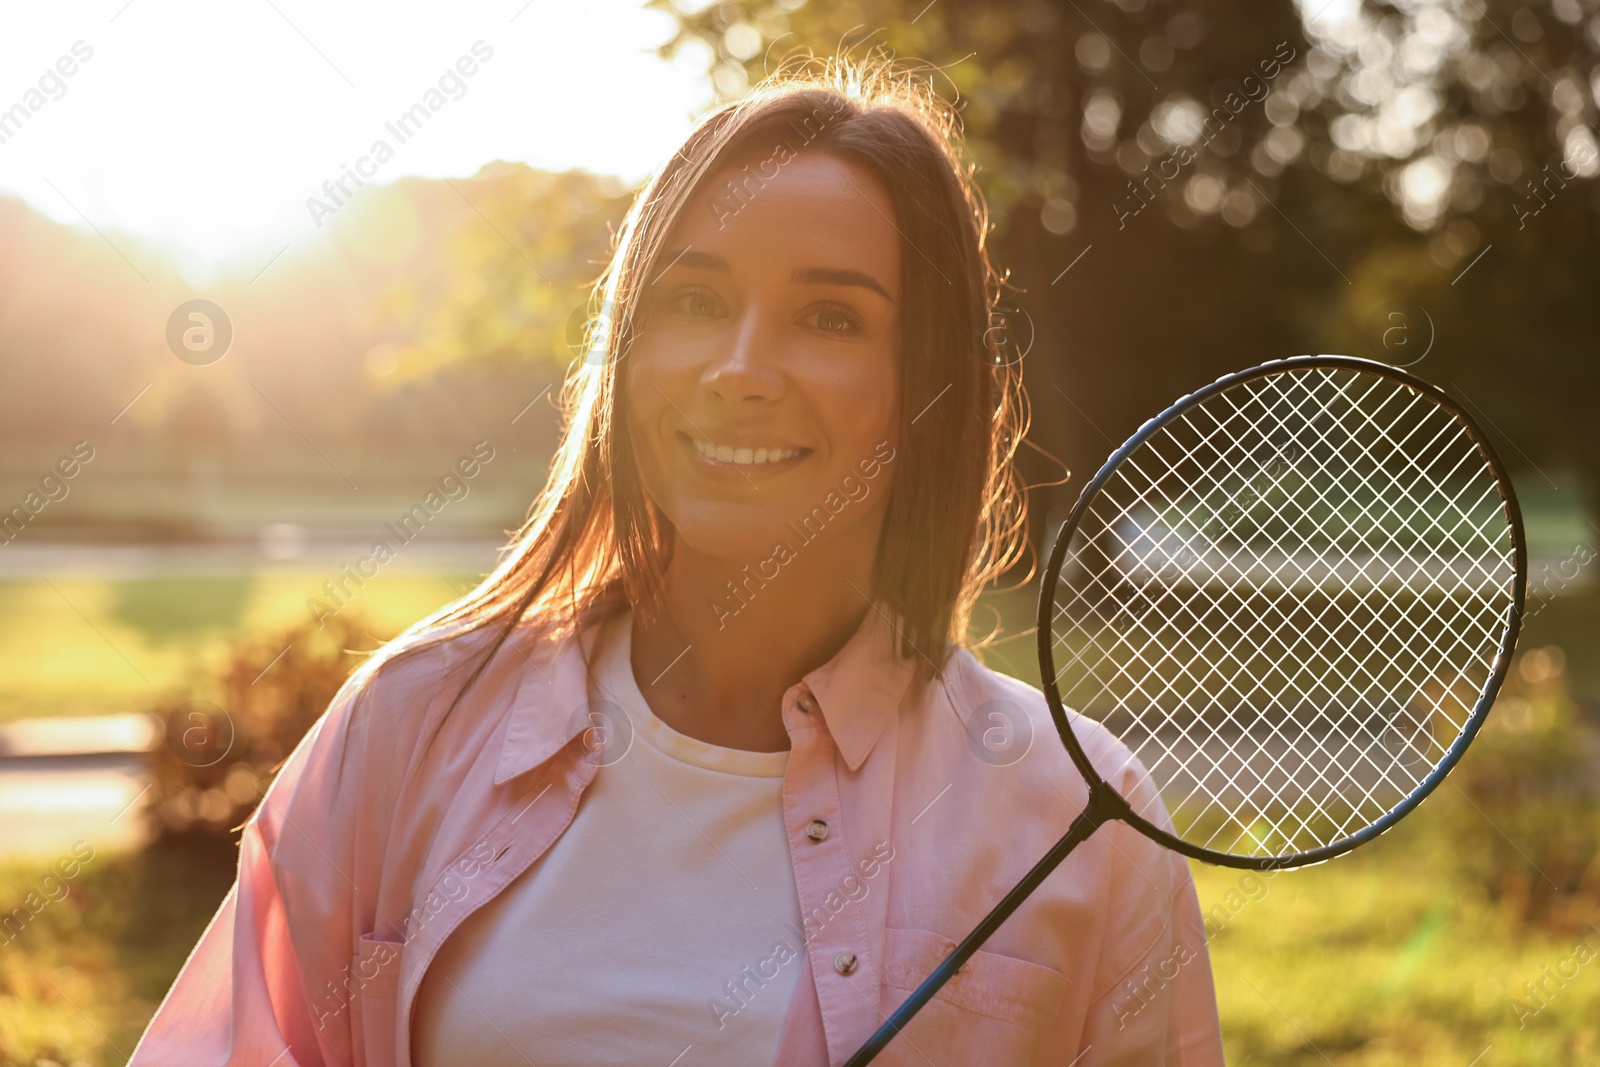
(765, 377)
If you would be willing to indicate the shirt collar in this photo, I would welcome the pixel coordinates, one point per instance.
(858, 691)
(551, 704)
(860, 688)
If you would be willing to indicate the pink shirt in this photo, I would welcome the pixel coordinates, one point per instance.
(368, 851)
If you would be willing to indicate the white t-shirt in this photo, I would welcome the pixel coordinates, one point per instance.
(663, 927)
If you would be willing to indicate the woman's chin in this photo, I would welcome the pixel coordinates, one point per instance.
(738, 546)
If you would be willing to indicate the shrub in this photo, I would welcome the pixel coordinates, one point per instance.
(218, 759)
(1524, 813)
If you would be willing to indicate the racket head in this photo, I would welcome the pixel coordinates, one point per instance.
(1274, 408)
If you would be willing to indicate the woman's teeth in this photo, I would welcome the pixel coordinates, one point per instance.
(746, 457)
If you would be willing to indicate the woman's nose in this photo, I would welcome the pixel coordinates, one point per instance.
(743, 366)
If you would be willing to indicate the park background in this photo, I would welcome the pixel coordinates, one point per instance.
(1416, 185)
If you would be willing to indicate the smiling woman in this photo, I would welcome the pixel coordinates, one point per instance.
(650, 797)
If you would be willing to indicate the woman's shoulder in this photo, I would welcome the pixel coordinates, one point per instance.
(407, 675)
(996, 702)
(413, 665)
(983, 697)
(391, 730)
(1033, 788)
(395, 702)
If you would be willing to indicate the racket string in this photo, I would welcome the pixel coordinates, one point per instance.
(1185, 671)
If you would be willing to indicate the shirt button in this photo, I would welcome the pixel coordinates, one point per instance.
(817, 830)
(845, 962)
(808, 703)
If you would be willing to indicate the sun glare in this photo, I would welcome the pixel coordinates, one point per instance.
(224, 132)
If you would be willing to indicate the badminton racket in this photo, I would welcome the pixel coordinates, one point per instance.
(1291, 597)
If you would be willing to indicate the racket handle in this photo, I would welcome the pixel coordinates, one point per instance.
(1104, 805)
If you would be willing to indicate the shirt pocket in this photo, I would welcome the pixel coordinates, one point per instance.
(375, 971)
(996, 1010)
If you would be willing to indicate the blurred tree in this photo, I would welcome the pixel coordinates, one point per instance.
(516, 273)
(1440, 99)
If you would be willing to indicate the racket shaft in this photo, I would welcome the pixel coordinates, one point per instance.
(1103, 806)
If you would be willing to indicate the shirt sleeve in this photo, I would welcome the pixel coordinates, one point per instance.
(1154, 1000)
(1194, 1031)
(242, 995)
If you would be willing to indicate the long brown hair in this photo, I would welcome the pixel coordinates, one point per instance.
(593, 542)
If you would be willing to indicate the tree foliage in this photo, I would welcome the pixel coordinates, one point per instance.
(515, 281)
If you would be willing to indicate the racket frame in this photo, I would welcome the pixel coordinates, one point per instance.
(1486, 698)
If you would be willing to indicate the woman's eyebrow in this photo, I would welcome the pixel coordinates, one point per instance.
(690, 257)
(838, 276)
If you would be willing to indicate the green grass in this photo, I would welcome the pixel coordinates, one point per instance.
(1378, 959)
(80, 646)
(86, 646)
(79, 982)
(1372, 960)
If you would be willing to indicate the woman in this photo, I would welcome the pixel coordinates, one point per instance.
(702, 774)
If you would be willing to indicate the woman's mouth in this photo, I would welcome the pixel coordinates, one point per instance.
(744, 458)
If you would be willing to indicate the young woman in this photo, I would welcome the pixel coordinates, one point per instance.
(702, 773)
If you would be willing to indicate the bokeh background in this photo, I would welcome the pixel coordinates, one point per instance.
(1412, 182)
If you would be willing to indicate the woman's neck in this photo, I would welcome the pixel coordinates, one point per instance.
(717, 662)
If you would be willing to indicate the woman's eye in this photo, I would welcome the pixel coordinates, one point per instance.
(836, 320)
(696, 303)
